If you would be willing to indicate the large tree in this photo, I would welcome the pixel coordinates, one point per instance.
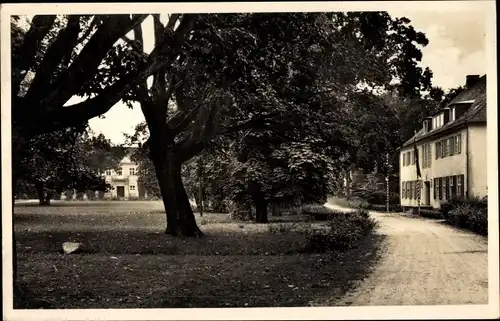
(225, 73)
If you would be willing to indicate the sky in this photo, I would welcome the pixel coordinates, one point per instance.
(457, 48)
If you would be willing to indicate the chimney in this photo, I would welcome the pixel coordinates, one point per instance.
(470, 80)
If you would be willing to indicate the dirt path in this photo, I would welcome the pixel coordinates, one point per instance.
(424, 262)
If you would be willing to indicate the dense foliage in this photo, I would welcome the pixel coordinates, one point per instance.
(296, 93)
(467, 213)
(342, 231)
(72, 158)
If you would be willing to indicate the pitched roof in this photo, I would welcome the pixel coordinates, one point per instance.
(475, 114)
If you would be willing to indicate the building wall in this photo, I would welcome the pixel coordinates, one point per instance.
(478, 183)
(442, 167)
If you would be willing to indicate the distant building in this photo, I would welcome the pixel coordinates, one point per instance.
(451, 151)
(124, 181)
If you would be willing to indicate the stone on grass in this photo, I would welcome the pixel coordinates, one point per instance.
(71, 247)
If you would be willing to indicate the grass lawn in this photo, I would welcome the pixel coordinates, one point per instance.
(130, 263)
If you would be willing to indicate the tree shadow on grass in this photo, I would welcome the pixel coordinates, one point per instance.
(150, 270)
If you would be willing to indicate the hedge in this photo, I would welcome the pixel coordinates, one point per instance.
(471, 214)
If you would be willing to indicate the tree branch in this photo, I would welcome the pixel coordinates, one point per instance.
(256, 122)
(40, 27)
(174, 17)
(159, 82)
(89, 59)
(60, 50)
(60, 117)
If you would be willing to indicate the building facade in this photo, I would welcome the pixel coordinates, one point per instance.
(124, 181)
(451, 148)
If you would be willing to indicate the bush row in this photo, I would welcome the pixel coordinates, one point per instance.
(471, 214)
(338, 231)
(431, 214)
(381, 208)
(341, 232)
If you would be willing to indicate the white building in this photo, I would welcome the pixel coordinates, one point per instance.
(451, 151)
(124, 181)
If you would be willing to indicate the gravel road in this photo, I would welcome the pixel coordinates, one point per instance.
(424, 262)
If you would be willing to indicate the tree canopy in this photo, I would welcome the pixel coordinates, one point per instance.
(279, 84)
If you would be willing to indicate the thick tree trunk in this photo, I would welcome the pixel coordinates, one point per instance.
(276, 209)
(44, 200)
(48, 197)
(180, 216)
(260, 210)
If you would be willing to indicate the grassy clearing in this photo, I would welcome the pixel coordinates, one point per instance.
(130, 263)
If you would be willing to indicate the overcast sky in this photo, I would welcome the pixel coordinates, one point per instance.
(456, 48)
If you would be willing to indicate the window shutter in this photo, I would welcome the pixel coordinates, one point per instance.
(450, 187)
(440, 191)
(459, 142)
(463, 185)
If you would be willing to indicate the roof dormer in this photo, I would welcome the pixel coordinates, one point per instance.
(427, 124)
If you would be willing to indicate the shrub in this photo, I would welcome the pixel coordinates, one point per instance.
(383, 208)
(134, 198)
(470, 217)
(467, 213)
(431, 214)
(341, 232)
(475, 202)
(288, 227)
(281, 228)
(319, 212)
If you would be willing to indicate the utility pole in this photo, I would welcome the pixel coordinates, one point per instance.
(387, 182)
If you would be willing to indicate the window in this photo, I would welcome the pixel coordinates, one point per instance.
(404, 159)
(451, 142)
(108, 172)
(444, 146)
(412, 157)
(429, 155)
(119, 171)
(451, 184)
(132, 187)
(426, 156)
(459, 144)
(460, 188)
(435, 188)
(403, 189)
(452, 114)
(132, 171)
(438, 150)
